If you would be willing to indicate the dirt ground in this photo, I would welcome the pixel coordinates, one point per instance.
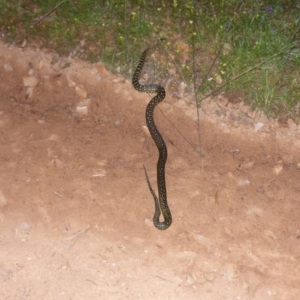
(76, 212)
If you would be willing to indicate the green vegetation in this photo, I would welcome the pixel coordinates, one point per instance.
(250, 50)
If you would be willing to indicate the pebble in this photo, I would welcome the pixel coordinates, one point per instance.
(244, 182)
(83, 106)
(30, 81)
(258, 126)
(81, 92)
(29, 92)
(181, 89)
(189, 281)
(146, 130)
(8, 67)
(278, 169)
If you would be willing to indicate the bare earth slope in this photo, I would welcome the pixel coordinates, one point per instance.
(76, 212)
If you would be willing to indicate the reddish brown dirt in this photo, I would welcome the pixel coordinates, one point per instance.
(75, 209)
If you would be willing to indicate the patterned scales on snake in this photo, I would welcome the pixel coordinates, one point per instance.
(161, 204)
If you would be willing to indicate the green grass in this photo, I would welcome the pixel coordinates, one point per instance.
(250, 50)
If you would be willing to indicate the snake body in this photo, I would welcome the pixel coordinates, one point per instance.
(161, 203)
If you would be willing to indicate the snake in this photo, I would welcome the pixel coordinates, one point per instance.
(161, 203)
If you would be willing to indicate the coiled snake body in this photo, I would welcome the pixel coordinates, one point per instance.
(161, 204)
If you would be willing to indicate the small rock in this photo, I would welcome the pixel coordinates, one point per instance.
(118, 79)
(258, 126)
(190, 281)
(146, 130)
(81, 92)
(244, 182)
(278, 169)
(8, 67)
(181, 89)
(83, 106)
(99, 173)
(246, 165)
(29, 92)
(30, 81)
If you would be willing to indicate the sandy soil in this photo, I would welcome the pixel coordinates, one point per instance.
(76, 212)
